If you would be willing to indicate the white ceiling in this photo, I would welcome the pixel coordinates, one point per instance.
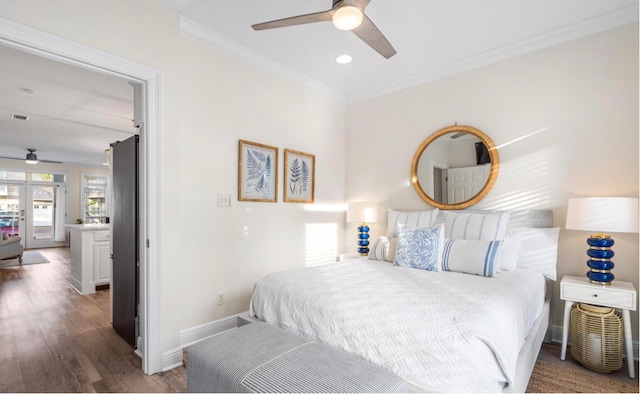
(76, 113)
(73, 113)
(433, 38)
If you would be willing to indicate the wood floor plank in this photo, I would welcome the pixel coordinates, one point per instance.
(52, 339)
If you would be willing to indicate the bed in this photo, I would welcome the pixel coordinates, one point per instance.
(439, 330)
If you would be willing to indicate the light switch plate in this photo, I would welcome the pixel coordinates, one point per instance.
(224, 200)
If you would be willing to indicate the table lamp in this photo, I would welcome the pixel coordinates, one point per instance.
(362, 212)
(602, 214)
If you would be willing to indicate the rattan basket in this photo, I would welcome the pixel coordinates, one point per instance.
(596, 337)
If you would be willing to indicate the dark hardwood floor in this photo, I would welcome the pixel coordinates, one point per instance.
(53, 339)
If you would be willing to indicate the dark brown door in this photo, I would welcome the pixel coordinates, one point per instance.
(125, 238)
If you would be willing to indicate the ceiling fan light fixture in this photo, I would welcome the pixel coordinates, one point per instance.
(31, 157)
(347, 18)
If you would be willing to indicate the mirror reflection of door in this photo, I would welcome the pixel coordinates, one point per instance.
(449, 170)
(455, 167)
(440, 184)
(465, 182)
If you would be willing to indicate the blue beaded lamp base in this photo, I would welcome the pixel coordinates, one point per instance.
(599, 262)
(363, 240)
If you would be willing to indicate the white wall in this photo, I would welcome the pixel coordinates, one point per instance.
(224, 100)
(565, 120)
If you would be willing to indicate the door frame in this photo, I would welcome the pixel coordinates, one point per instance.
(25, 38)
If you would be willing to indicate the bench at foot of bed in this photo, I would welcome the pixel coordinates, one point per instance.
(259, 357)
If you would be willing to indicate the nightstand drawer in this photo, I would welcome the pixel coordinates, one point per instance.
(598, 296)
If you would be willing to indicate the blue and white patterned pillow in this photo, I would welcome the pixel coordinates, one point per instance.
(471, 256)
(420, 247)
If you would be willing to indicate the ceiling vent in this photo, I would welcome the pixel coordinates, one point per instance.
(19, 117)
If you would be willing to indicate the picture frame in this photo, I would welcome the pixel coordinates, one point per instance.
(299, 176)
(257, 172)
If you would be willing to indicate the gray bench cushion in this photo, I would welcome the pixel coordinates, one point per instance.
(259, 357)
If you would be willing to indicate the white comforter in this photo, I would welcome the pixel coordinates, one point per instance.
(440, 331)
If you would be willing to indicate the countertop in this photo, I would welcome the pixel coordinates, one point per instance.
(88, 227)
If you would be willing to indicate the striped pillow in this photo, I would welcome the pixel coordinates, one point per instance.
(414, 219)
(476, 226)
(471, 257)
(380, 250)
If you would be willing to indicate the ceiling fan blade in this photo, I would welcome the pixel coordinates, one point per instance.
(322, 16)
(22, 159)
(369, 33)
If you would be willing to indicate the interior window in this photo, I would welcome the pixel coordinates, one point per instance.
(94, 198)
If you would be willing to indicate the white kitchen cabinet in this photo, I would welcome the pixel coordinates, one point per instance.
(90, 257)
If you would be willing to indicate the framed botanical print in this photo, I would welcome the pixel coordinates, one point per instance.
(257, 172)
(299, 176)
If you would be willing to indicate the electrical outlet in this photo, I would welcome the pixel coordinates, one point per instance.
(224, 200)
(220, 297)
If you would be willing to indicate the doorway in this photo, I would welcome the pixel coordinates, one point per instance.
(43, 44)
(32, 211)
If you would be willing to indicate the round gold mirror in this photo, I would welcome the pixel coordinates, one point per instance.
(455, 167)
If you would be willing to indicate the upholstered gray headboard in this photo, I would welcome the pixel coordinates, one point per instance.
(537, 218)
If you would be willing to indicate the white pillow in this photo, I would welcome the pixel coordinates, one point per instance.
(420, 247)
(509, 251)
(476, 226)
(415, 219)
(471, 256)
(380, 249)
(393, 247)
(539, 250)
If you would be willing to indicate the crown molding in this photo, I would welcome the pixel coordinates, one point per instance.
(588, 27)
(179, 4)
(250, 56)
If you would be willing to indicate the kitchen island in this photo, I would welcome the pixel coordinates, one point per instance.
(90, 256)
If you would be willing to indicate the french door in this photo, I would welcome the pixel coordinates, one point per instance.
(35, 212)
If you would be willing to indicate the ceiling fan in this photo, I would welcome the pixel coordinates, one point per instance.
(345, 15)
(32, 158)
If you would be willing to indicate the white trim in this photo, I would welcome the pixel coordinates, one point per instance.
(47, 45)
(179, 4)
(254, 58)
(173, 358)
(202, 331)
(614, 19)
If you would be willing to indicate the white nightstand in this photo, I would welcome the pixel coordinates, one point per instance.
(620, 295)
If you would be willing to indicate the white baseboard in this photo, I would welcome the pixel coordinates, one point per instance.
(556, 336)
(173, 358)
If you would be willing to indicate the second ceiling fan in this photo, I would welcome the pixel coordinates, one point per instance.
(345, 15)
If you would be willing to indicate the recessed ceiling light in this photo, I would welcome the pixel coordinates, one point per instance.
(343, 59)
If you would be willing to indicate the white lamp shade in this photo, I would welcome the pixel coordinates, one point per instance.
(603, 214)
(362, 212)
